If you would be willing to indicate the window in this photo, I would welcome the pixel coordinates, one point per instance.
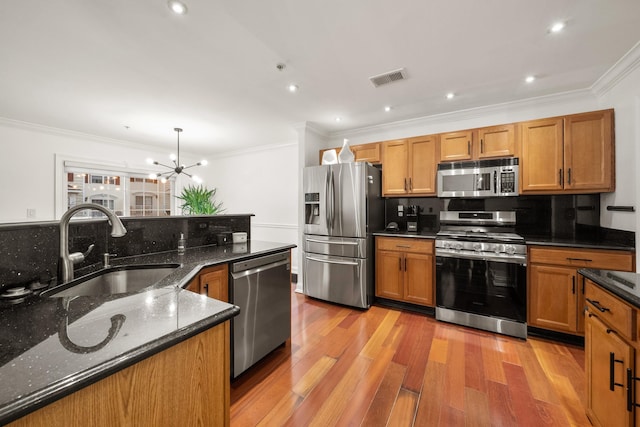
(125, 193)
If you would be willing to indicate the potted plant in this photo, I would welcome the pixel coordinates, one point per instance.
(199, 200)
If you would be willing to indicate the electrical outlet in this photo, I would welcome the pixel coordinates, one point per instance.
(31, 213)
(400, 210)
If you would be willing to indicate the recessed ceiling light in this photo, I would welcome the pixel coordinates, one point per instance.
(450, 95)
(557, 27)
(177, 7)
(387, 108)
(529, 79)
(293, 88)
(338, 119)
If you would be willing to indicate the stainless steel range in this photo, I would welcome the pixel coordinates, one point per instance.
(481, 272)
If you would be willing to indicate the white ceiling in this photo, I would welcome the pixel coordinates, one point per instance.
(100, 66)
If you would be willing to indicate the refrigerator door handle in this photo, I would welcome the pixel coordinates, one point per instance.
(326, 261)
(333, 200)
(332, 242)
(327, 212)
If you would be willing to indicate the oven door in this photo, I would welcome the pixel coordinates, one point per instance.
(487, 287)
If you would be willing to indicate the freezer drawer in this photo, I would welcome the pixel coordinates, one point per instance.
(337, 279)
(336, 246)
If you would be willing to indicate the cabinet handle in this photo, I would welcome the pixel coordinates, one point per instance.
(579, 259)
(569, 175)
(630, 380)
(482, 146)
(560, 177)
(612, 371)
(410, 184)
(405, 264)
(404, 246)
(405, 184)
(206, 289)
(469, 147)
(597, 305)
(573, 285)
(400, 264)
(583, 285)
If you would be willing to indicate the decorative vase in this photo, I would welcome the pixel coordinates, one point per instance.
(346, 155)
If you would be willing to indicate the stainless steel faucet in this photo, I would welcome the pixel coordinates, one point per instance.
(68, 260)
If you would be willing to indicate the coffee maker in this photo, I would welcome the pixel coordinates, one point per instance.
(413, 213)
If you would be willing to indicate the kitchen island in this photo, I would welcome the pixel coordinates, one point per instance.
(161, 352)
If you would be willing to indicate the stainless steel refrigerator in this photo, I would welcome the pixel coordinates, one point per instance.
(343, 206)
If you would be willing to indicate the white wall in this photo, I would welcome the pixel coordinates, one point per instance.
(29, 164)
(263, 182)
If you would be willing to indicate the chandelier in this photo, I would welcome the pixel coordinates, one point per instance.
(177, 168)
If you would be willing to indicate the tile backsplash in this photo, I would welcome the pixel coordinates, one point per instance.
(29, 251)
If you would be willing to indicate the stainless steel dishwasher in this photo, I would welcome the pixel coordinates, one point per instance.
(261, 287)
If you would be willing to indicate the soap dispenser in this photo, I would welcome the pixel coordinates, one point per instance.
(182, 243)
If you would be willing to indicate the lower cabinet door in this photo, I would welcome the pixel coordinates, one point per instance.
(553, 298)
(608, 357)
(418, 279)
(389, 275)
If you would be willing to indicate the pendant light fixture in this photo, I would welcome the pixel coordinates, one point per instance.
(177, 168)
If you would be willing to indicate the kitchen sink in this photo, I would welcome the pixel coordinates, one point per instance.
(113, 280)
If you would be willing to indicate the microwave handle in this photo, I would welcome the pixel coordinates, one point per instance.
(495, 182)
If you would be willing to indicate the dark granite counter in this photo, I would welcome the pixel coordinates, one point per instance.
(51, 347)
(586, 243)
(622, 284)
(417, 235)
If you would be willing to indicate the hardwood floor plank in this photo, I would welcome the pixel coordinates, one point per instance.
(337, 401)
(500, 405)
(492, 360)
(360, 402)
(431, 395)
(455, 378)
(351, 367)
(477, 413)
(404, 410)
(383, 402)
(313, 376)
(474, 365)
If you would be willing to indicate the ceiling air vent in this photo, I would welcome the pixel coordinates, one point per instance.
(389, 77)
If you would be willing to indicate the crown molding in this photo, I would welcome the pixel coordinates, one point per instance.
(307, 126)
(473, 113)
(625, 65)
(258, 149)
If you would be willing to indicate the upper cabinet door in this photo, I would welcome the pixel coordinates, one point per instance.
(541, 166)
(423, 161)
(455, 146)
(367, 152)
(497, 141)
(394, 170)
(588, 151)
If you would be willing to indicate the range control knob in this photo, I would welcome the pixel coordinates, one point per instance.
(497, 249)
(510, 249)
(457, 246)
(477, 247)
(446, 245)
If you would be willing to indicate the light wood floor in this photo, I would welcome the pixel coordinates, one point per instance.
(388, 367)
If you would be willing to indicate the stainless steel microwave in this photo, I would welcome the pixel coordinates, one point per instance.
(481, 178)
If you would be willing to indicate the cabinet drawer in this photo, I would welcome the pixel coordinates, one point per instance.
(613, 311)
(579, 258)
(407, 244)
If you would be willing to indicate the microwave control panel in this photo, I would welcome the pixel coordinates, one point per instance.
(508, 182)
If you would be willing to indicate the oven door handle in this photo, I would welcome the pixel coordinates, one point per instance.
(484, 257)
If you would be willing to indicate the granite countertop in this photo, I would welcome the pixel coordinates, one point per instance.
(623, 284)
(51, 347)
(424, 234)
(586, 243)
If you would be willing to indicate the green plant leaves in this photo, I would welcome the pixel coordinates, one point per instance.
(199, 200)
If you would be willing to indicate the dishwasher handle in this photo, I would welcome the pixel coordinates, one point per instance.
(256, 270)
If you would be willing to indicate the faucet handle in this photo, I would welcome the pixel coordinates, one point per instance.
(106, 257)
(78, 257)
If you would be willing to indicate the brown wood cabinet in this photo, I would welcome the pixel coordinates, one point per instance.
(213, 282)
(570, 154)
(187, 384)
(410, 166)
(362, 152)
(487, 142)
(405, 270)
(556, 291)
(610, 357)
